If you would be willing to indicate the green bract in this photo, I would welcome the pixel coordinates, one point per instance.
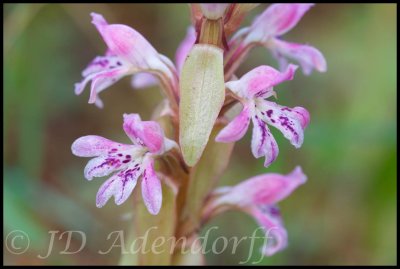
(202, 94)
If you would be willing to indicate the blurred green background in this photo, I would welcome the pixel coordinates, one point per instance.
(345, 214)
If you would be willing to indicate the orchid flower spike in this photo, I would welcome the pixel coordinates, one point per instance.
(128, 161)
(251, 90)
(128, 53)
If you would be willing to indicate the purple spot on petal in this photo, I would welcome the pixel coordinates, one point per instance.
(264, 132)
(274, 211)
(120, 154)
(110, 162)
(288, 125)
(261, 93)
(269, 113)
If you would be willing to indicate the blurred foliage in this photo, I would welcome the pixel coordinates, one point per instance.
(345, 214)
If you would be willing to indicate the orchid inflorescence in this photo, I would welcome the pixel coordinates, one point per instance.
(201, 90)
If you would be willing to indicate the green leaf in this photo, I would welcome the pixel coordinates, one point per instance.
(202, 92)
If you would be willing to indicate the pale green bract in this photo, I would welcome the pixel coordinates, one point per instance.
(202, 94)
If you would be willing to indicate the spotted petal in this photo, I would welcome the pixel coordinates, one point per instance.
(262, 142)
(151, 189)
(93, 145)
(103, 71)
(104, 165)
(291, 122)
(120, 186)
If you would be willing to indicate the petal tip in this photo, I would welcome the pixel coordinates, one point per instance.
(98, 19)
(299, 175)
(78, 88)
(304, 116)
(154, 211)
(290, 71)
(98, 205)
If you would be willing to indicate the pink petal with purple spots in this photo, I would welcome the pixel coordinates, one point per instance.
(103, 72)
(151, 189)
(119, 185)
(237, 128)
(308, 57)
(185, 47)
(259, 82)
(103, 166)
(93, 145)
(262, 142)
(144, 133)
(290, 122)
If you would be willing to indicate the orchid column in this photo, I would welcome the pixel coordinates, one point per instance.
(179, 155)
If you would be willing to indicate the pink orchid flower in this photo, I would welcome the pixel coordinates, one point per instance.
(275, 21)
(128, 161)
(251, 90)
(257, 197)
(128, 53)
